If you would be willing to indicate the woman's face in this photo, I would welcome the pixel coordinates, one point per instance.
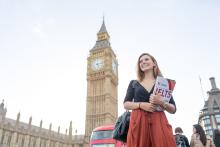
(146, 63)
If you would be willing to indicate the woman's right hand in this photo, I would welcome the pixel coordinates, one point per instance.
(147, 106)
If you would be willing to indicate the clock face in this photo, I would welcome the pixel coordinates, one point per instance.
(114, 66)
(97, 64)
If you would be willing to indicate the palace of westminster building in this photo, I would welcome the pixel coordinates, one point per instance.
(101, 105)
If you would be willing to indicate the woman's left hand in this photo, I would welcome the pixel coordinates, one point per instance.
(156, 99)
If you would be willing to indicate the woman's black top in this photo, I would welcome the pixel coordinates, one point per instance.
(137, 93)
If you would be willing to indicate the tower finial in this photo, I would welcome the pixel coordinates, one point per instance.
(103, 28)
(103, 18)
(2, 104)
(18, 116)
(213, 84)
(30, 120)
(41, 124)
(59, 130)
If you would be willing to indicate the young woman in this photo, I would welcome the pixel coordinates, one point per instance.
(148, 127)
(199, 138)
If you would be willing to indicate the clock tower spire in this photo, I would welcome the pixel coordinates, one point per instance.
(102, 38)
(102, 84)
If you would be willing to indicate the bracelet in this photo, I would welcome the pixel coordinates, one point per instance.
(165, 104)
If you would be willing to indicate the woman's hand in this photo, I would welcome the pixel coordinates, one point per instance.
(156, 99)
(147, 106)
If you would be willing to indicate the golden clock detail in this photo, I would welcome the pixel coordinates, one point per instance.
(97, 64)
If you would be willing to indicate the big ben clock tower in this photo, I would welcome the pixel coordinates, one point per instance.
(102, 83)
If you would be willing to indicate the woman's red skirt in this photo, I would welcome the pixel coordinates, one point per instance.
(148, 129)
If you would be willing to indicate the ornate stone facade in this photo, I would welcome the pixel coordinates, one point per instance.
(210, 114)
(14, 133)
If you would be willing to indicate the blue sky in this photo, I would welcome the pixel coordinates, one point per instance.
(44, 45)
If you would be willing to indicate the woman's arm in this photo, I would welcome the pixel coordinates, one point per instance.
(139, 105)
(131, 105)
(168, 107)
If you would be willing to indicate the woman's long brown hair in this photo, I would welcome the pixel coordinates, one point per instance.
(201, 132)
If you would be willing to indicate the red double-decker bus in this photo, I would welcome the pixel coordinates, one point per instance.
(102, 137)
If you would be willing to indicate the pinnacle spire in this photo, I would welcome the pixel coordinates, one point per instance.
(2, 104)
(213, 84)
(102, 38)
(103, 27)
